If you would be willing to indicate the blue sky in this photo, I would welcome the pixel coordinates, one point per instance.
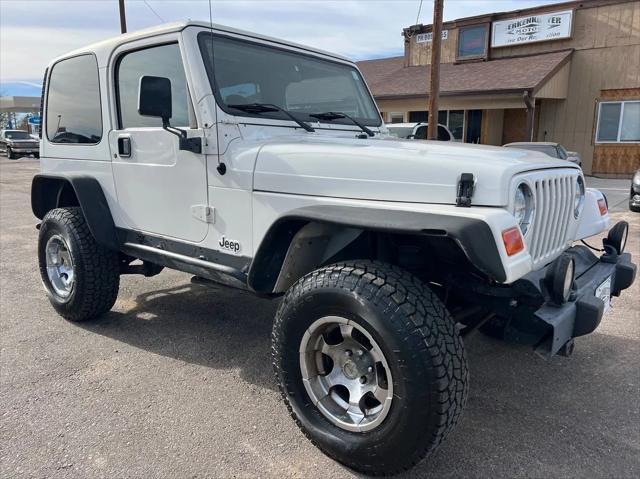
(32, 32)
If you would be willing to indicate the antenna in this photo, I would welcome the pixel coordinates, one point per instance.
(221, 168)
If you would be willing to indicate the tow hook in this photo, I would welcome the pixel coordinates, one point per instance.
(567, 349)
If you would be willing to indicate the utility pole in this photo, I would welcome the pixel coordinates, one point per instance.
(434, 90)
(123, 19)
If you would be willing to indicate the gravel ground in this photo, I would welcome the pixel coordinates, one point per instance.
(176, 382)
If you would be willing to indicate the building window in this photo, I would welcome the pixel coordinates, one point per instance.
(418, 116)
(73, 111)
(454, 120)
(472, 42)
(618, 122)
(161, 61)
(396, 117)
(456, 124)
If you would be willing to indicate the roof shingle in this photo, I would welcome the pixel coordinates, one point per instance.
(388, 77)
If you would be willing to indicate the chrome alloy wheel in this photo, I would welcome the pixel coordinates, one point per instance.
(345, 374)
(60, 269)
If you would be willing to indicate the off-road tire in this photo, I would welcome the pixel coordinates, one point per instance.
(96, 268)
(419, 340)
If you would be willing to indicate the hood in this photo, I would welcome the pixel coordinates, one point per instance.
(391, 169)
(22, 142)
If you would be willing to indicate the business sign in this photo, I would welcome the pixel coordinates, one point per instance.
(34, 120)
(534, 28)
(427, 37)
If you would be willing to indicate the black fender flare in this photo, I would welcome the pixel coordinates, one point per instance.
(46, 194)
(473, 236)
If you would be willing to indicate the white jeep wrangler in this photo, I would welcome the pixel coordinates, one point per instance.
(264, 165)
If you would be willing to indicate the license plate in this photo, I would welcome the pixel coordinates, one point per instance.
(604, 293)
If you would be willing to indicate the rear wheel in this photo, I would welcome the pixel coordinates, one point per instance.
(370, 365)
(80, 276)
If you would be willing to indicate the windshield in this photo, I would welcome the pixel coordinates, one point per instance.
(547, 149)
(17, 135)
(243, 72)
(562, 153)
(400, 131)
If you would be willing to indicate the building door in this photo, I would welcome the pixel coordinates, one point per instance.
(474, 126)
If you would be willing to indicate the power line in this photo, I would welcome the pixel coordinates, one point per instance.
(154, 12)
(419, 10)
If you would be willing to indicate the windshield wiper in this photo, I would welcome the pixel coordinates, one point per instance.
(266, 108)
(334, 115)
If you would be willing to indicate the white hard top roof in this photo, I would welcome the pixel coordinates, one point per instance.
(104, 48)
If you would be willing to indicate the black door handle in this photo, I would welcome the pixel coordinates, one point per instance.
(124, 147)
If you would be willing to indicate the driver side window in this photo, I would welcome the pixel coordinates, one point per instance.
(160, 61)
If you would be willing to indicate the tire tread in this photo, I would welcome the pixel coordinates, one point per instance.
(96, 266)
(416, 312)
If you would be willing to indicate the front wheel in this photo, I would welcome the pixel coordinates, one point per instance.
(80, 276)
(10, 154)
(370, 365)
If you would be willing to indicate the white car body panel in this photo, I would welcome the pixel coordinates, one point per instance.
(390, 169)
(591, 221)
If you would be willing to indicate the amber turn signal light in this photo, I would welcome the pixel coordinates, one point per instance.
(602, 204)
(512, 239)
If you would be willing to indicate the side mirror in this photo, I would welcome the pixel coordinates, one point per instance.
(154, 97)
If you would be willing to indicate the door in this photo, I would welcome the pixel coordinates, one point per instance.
(474, 126)
(161, 189)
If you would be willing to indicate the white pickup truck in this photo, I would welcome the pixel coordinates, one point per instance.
(264, 165)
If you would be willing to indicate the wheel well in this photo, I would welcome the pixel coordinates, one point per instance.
(50, 193)
(294, 248)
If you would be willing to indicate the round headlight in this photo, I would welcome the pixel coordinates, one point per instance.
(523, 207)
(578, 199)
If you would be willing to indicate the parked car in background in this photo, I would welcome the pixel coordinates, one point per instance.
(554, 150)
(634, 196)
(418, 131)
(576, 155)
(17, 143)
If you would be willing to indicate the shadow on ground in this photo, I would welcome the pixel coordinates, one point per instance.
(571, 409)
(216, 327)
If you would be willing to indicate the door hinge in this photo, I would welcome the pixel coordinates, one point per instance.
(204, 213)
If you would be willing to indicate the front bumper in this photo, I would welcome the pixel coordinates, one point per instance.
(17, 149)
(583, 312)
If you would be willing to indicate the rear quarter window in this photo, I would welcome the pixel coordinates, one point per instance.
(73, 111)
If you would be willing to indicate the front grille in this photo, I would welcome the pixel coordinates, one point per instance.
(550, 231)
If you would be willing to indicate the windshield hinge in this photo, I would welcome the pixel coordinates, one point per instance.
(466, 184)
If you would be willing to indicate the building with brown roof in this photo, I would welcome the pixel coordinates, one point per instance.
(573, 67)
